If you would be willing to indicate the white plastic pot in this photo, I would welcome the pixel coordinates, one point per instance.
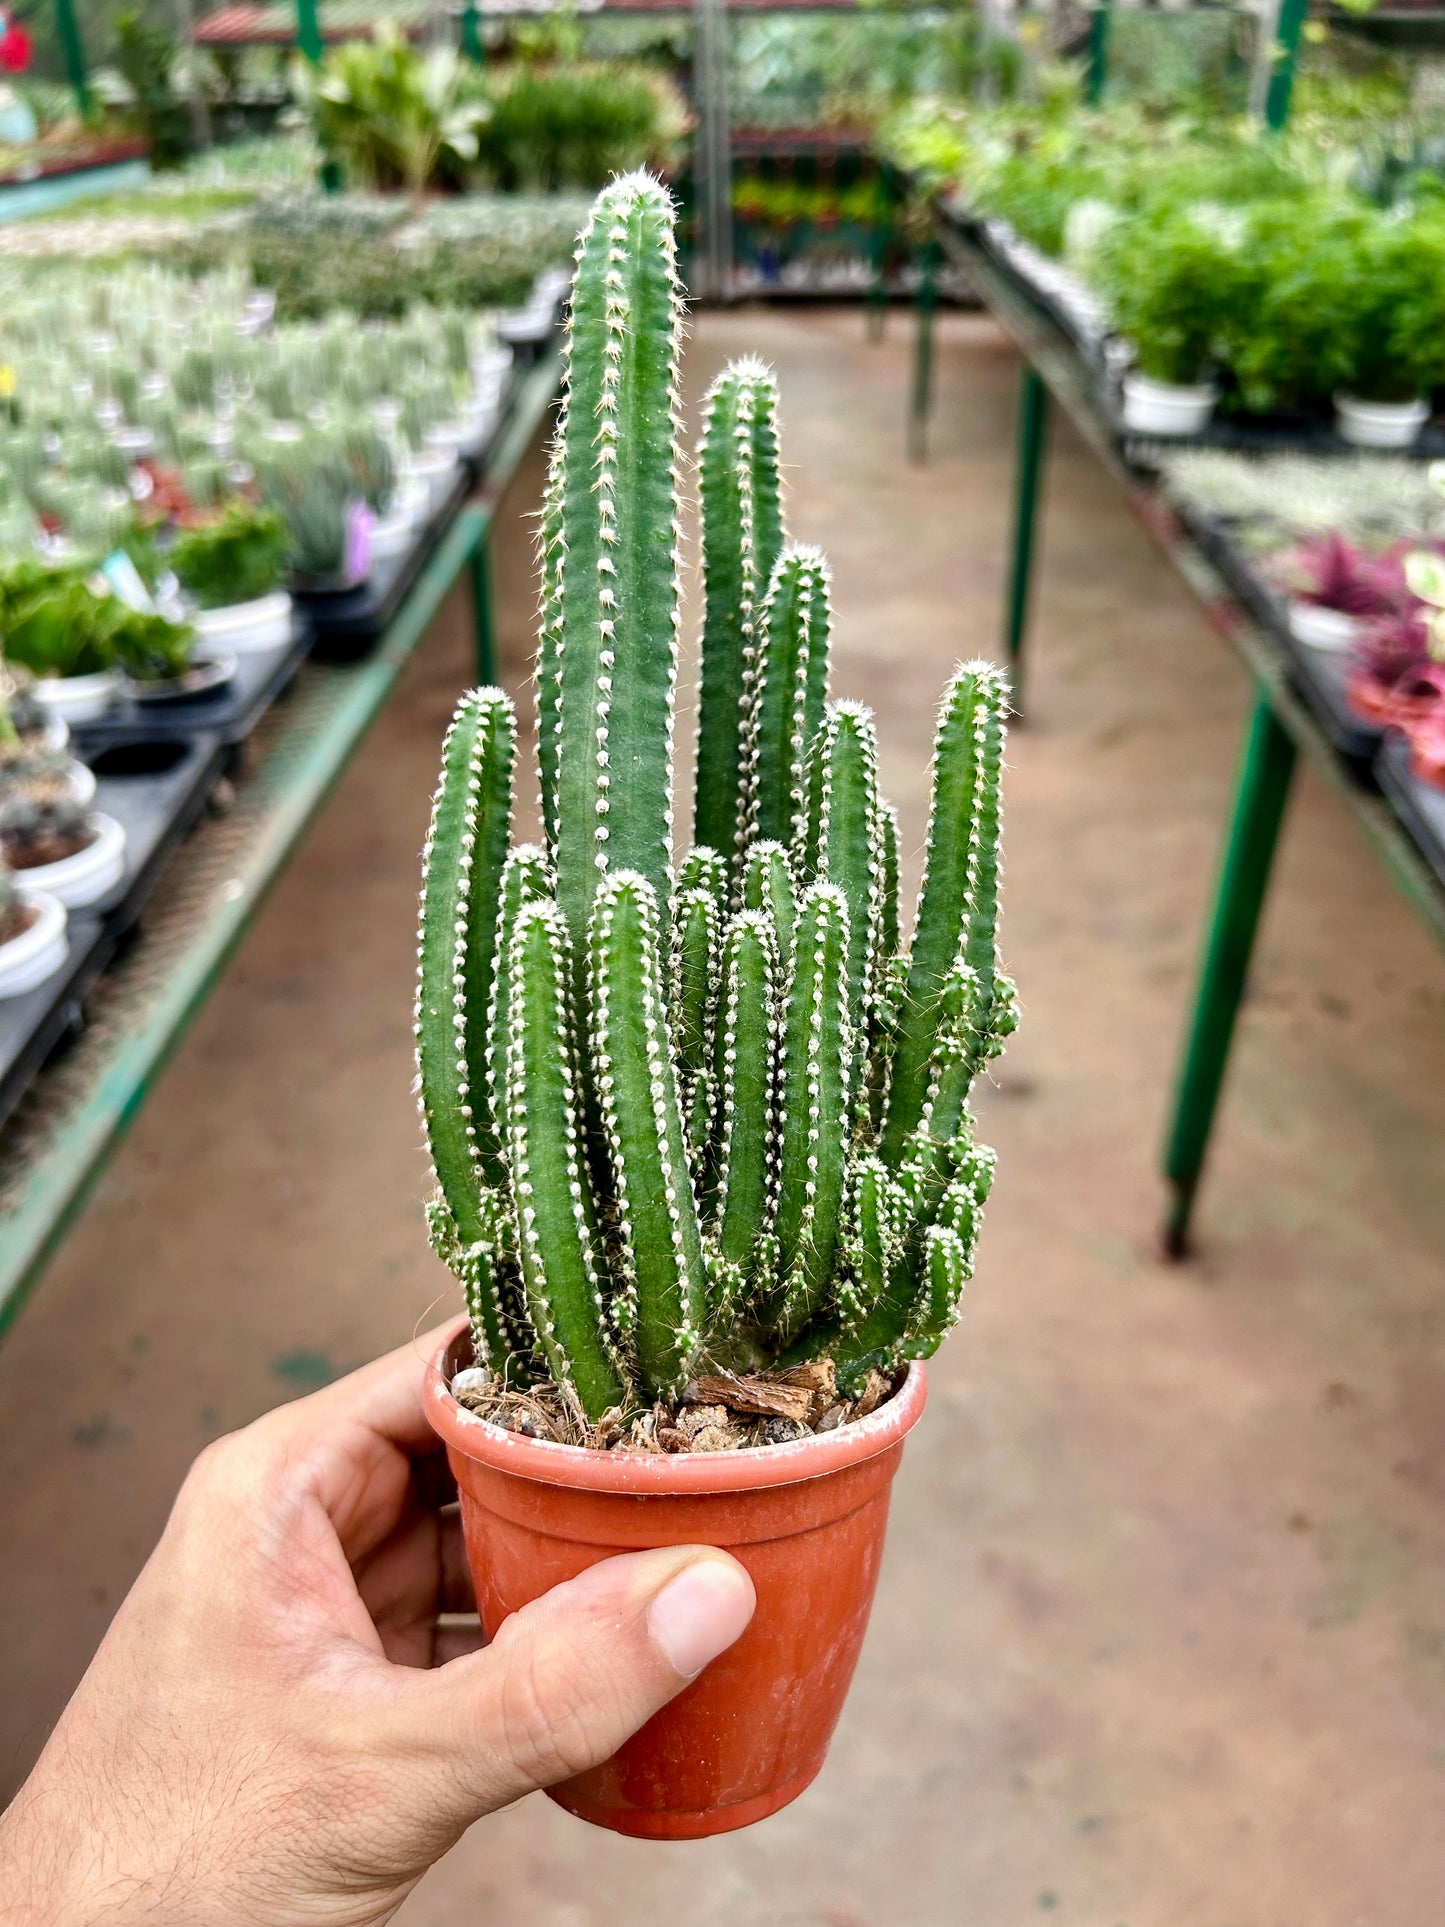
(1320, 628)
(1165, 407)
(435, 467)
(1380, 424)
(489, 372)
(457, 434)
(393, 532)
(37, 953)
(79, 699)
(85, 877)
(247, 627)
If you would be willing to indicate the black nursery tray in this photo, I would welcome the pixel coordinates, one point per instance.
(1319, 676)
(346, 623)
(155, 790)
(1282, 434)
(1419, 806)
(230, 712)
(32, 1027)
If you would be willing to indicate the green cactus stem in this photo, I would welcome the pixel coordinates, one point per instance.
(958, 904)
(746, 1078)
(947, 1268)
(465, 852)
(741, 535)
(703, 869)
(550, 545)
(790, 691)
(616, 582)
(814, 1103)
(841, 837)
(694, 977)
(768, 885)
(559, 1274)
(662, 1283)
(888, 927)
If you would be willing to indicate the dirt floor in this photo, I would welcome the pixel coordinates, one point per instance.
(1161, 1637)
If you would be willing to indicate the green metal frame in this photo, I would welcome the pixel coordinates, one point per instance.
(59, 1142)
(1281, 729)
(1096, 73)
(921, 404)
(1033, 426)
(472, 44)
(1267, 764)
(1284, 53)
(73, 49)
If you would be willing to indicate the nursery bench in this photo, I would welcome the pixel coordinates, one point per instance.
(61, 1137)
(1280, 727)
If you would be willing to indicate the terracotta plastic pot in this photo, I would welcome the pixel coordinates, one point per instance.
(806, 1519)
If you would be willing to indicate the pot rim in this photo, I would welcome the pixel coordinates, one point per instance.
(546, 1462)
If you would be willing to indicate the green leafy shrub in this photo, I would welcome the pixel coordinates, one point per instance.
(238, 557)
(1173, 282)
(571, 125)
(56, 624)
(389, 112)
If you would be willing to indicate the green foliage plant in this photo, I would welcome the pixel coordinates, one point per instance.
(237, 556)
(1173, 281)
(713, 1112)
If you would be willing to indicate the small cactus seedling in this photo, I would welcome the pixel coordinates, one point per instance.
(42, 824)
(716, 1115)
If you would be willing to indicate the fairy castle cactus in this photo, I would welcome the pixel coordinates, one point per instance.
(716, 1114)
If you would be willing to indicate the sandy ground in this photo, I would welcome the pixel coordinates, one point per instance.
(1161, 1637)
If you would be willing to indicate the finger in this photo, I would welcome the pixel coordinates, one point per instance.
(570, 1677)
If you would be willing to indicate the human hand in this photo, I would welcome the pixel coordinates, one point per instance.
(277, 1730)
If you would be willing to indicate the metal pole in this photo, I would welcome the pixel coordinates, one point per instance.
(1261, 792)
(1097, 72)
(1033, 422)
(308, 31)
(73, 48)
(1283, 53)
(922, 402)
(484, 623)
(472, 45)
(712, 152)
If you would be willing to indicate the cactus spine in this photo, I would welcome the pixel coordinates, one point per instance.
(721, 1115)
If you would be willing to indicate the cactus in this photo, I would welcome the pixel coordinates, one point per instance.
(716, 1115)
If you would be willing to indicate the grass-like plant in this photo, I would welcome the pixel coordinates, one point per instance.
(713, 1113)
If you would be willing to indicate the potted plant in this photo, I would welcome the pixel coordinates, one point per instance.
(706, 1170)
(32, 937)
(1334, 589)
(232, 566)
(51, 628)
(1170, 280)
(74, 854)
(1397, 345)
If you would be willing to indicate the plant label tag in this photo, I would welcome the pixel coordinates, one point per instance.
(125, 583)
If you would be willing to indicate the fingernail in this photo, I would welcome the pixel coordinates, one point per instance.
(700, 1613)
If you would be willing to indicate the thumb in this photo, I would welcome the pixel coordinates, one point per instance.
(577, 1672)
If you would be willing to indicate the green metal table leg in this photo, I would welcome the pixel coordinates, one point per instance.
(73, 48)
(1033, 425)
(1284, 51)
(1261, 791)
(923, 353)
(483, 612)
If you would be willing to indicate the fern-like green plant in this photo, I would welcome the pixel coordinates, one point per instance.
(711, 1115)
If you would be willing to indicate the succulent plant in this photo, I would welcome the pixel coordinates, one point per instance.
(41, 823)
(714, 1115)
